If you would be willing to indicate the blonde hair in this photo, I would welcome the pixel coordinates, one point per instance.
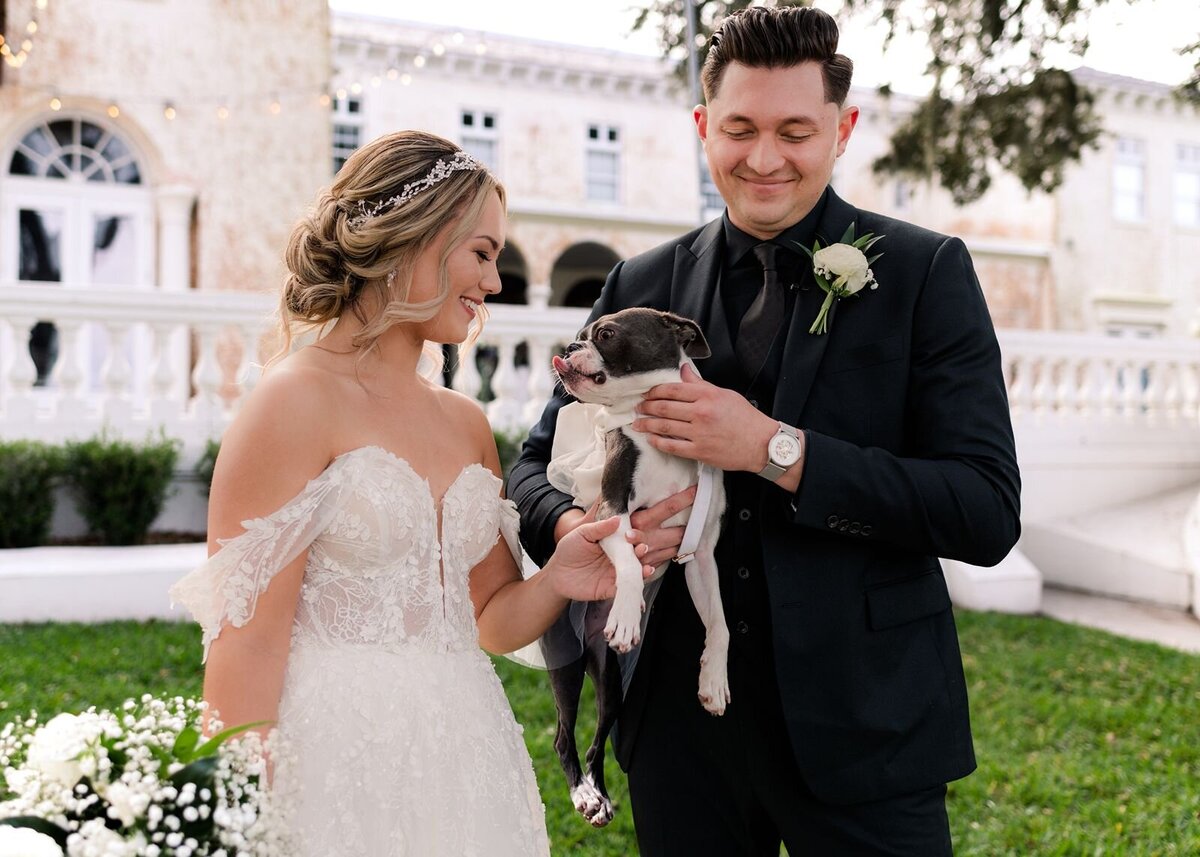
(335, 256)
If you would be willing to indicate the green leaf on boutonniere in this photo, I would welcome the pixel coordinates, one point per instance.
(842, 270)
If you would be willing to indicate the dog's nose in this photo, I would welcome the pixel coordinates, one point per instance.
(574, 346)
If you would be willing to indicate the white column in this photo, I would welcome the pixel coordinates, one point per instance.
(174, 210)
(538, 295)
(174, 204)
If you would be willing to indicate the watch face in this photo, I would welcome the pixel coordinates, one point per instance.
(784, 450)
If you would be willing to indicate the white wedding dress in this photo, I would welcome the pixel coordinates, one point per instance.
(401, 739)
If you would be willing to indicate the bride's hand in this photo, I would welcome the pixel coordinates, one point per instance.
(582, 571)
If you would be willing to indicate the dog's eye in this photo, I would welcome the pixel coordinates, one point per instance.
(604, 333)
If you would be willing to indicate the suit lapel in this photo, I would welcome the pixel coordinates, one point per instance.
(803, 350)
(694, 286)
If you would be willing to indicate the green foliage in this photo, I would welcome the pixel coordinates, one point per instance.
(1087, 743)
(206, 463)
(120, 487)
(28, 472)
(508, 444)
(994, 101)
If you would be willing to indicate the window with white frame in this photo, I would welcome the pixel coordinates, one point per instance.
(1129, 180)
(75, 210)
(480, 137)
(347, 128)
(709, 195)
(1186, 185)
(602, 177)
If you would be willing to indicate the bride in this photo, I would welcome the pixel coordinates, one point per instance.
(356, 565)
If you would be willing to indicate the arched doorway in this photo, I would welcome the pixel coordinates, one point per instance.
(579, 273)
(74, 210)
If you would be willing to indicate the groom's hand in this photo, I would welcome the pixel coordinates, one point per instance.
(698, 420)
(662, 542)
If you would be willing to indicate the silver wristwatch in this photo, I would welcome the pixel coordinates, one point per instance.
(783, 450)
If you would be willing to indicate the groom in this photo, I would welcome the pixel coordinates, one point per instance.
(854, 459)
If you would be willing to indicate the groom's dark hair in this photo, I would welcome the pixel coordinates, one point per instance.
(778, 37)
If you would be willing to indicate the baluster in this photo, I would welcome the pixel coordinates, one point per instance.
(1109, 384)
(1069, 396)
(466, 376)
(249, 371)
(115, 402)
(1131, 390)
(541, 380)
(205, 410)
(22, 404)
(504, 411)
(1043, 387)
(72, 406)
(1172, 395)
(166, 404)
(1150, 406)
(1189, 382)
(1021, 393)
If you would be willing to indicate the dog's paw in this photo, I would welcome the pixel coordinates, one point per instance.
(623, 629)
(714, 687)
(593, 804)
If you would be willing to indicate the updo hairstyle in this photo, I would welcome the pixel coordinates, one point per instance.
(336, 256)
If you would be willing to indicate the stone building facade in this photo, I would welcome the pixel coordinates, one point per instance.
(170, 144)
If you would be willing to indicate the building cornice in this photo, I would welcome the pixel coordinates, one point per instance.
(373, 46)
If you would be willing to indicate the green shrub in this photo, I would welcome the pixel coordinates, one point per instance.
(120, 487)
(508, 444)
(206, 463)
(28, 470)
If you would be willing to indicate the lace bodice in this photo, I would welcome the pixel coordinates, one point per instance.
(384, 568)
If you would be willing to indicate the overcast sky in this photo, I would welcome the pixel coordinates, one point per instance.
(1136, 39)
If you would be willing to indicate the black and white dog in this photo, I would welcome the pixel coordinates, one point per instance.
(614, 361)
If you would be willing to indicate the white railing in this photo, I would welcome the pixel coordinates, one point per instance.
(1070, 378)
(133, 361)
(183, 360)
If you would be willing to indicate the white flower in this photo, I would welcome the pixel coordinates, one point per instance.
(59, 749)
(23, 842)
(845, 262)
(124, 803)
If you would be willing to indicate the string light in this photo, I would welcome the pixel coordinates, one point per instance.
(223, 110)
(16, 58)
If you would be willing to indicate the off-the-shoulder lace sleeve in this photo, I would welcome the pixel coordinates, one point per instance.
(225, 589)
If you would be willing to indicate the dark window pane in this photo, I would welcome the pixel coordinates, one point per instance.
(90, 134)
(39, 142)
(128, 173)
(114, 150)
(41, 245)
(468, 119)
(612, 135)
(593, 132)
(22, 165)
(354, 105)
(84, 162)
(58, 170)
(489, 121)
(64, 131)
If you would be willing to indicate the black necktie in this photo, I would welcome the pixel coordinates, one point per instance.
(761, 322)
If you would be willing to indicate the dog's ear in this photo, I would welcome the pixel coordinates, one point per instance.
(688, 334)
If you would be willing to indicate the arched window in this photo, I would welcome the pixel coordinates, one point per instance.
(74, 210)
(74, 150)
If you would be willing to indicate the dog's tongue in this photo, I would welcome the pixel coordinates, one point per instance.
(559, 364)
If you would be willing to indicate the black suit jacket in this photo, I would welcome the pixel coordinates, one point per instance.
(909, 457)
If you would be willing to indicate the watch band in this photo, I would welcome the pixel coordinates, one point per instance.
(774, 471)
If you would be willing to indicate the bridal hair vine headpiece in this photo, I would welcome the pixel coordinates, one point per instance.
(440, 172)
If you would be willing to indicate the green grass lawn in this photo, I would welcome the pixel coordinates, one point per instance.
(1088, 744)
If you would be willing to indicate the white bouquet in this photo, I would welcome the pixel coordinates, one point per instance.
(141, 781)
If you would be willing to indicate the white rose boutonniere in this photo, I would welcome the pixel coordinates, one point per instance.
(842, 270)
